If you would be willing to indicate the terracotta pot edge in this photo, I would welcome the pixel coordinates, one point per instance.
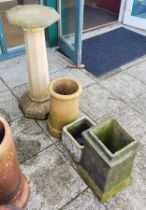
(7, 132)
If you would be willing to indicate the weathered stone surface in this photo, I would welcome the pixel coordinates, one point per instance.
(97, 102)
(19, 91)
(9, 106)
(74, 74)
(85, 201)
(124, 86)
(138, 71)
(125, 200)
(100, 165)
(133, 122)
(32, 109)
(62, 62)
(139, 104)
(32, 16)
(29, 138)
(53, 182)
(61, 147)
(14, 71)
(3, 87)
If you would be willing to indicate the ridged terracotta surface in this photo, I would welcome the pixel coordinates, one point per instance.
(14, 188)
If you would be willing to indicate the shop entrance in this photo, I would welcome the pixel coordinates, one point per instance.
(100, 12)
(11, 37)
(97, 13)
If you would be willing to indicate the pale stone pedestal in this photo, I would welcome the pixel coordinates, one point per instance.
(33, 19)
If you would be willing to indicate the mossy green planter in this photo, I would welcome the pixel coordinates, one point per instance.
(107, 160)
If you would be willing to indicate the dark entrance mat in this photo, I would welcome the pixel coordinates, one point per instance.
(103, 53)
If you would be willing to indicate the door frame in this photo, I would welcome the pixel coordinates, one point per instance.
(73, 52)
(10, 52)
(131, 20)
(122, 10)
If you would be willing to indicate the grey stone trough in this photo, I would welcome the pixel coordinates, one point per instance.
(105, 154)
(72, 137)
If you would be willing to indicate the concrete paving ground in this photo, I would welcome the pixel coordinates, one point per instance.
(54, 182)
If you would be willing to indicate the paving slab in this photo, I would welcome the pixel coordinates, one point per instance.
(74, 73)
(19, 90)
(138, 71)
(124, 86)
(29, 138)
(14, 71)
(139, 104)
(97, 102)
(11, 62)
(56, 60)
(9, 108)
(125, 200)
(133, 122)
(53, 182)
(62, 148)
(3, 87)
(85, 201)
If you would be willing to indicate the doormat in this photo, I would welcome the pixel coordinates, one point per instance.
(106, 52)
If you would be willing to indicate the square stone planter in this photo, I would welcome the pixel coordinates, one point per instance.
(107, 160)
(72, 136)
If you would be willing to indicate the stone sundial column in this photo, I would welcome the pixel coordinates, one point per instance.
(33, 19)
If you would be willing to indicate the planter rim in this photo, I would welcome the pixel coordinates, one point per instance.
(102, 146)
(65, 97)
(65, 129)
(128, 150)
(7, 132)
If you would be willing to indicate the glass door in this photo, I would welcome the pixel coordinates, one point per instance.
(71, 28)
(11, 37)
(135, 13)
